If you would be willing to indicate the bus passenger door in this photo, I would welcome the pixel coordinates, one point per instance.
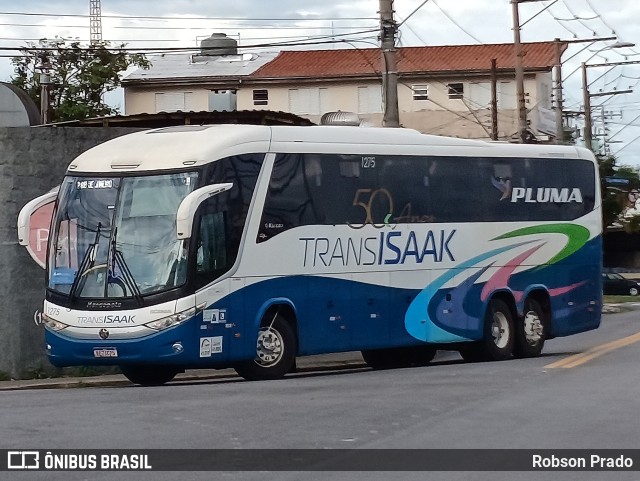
(223, 308)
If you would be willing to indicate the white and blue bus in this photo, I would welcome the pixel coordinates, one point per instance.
(247, 246)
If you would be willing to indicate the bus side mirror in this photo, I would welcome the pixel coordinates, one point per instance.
(34, 221)
(189, 205)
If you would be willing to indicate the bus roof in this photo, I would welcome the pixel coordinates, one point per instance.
(180, 147)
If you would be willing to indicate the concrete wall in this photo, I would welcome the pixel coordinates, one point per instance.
(32, 161)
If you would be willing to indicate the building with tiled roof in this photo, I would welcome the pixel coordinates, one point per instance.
(206, 81)
(442, 90)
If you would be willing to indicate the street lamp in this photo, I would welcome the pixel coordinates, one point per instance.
(588, 138)
(43, 69)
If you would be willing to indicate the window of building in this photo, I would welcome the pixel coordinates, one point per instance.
(260, 97)
(175, 101)
(370, 100)
(305, 101)
(507, 95)
(479, 94)
(456, 90)
(420, 92)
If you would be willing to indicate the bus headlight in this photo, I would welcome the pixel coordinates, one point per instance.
(52, 324)
(172, 320)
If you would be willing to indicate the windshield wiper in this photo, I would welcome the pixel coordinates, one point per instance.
(88, 261)
(118, 258)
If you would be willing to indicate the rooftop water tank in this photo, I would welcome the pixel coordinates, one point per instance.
(218, 44)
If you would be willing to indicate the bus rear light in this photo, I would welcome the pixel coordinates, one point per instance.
(172, 320)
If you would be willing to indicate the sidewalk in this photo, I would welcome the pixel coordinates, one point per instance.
(324, 362)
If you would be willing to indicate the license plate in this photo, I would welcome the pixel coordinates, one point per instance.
(105, 352)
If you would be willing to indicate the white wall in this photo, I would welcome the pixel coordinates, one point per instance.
(438, 114)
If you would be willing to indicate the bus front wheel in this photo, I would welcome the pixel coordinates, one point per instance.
(149, 375)
(275, 352)
(498, 341)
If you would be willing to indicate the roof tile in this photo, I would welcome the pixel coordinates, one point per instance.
(450, 58)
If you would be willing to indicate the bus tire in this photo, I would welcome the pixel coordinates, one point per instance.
(499, 336)
(276, 348)
(531, 330)
(149, 375)
(398, 357)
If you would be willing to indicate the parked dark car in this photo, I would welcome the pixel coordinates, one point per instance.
(613, 283)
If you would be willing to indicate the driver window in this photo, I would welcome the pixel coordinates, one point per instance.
(211, 254)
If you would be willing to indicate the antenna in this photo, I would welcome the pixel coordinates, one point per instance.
(95, 21)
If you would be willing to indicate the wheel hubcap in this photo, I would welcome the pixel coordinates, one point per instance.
(269, 348)
(532, 328)
(500, 330)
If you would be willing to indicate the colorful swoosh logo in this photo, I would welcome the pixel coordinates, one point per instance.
(417, 321)
(577, 236)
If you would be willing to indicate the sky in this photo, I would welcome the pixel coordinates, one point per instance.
(183, 23)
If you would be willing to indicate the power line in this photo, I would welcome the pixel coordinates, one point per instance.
(456, 23)
(411, 14)
(167, 18)
(601, 17)
(579, 19)
(229, 26)
(316, 41)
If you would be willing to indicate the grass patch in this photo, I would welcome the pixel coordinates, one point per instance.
(619, 299)
(4, 376)
(89, 371)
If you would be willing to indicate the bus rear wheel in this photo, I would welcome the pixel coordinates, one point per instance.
(275, 352)
(531, 330)
(399, 357)
(149, 375)
(499, 336)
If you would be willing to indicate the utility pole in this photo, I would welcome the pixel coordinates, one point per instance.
(588, 124)
(560, 47)
(388, 29)
(586, 97)
(494, 100)
(522, 107)
(559, 99)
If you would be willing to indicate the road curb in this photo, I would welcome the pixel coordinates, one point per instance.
(113, 380)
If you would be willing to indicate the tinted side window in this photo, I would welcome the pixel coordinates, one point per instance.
(455, 189)
(536, 189)
(289, 202)
(212, 245)
(362, 189)
(220, 219)
(328, 189)
(242, 171)
(410, 182)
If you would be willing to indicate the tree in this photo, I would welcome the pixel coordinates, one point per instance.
(618, 198)
(80, 75)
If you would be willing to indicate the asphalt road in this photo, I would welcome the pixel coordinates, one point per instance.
(572, 397)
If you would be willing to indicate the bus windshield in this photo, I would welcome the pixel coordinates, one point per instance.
(116, 237)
